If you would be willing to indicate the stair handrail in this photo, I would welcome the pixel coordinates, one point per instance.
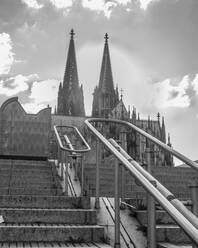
(70, 149)
(177, 215)
(177, 154)
(163, 190)
(62, 158)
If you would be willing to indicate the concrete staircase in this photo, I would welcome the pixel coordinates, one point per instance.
(176, 179)
(35, 214)
(167, 232)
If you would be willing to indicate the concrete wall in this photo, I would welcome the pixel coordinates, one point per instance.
(68, 120)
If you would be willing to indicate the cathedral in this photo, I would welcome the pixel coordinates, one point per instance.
(108, 104)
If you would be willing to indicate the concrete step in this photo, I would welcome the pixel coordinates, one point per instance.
(34, 184)
(161, 217)
(25, 171)
(27, 191)
(53, 244)
(25, 166)
(169, 245)
(29, 201)
(171, 233)
(60, 233)
(47, 216)
(20, 161)
(19, 182)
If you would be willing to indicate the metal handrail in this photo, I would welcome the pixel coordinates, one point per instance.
(150, 137)
(69, 149)
(163, 190)
(181, 220)
(63, 156)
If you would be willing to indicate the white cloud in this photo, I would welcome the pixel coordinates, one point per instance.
(14, 85)
(62, 4)
(144, 3)
(42, 93)
(195, 83)
(32, 4)
(33, 107)
(122, 2)
(6, 54)
(103, 6)
(167, 95)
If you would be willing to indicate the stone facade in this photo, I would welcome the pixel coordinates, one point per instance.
(22, 134)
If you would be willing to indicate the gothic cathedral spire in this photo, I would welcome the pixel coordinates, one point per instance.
(70, 96)
(104, 96)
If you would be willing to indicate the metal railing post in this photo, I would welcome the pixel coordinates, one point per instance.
(151, 213)
(61, 161)
(194, 196)
(58, 156)
(75, 166)
(64, 166)
(82, 175)
(123, 176)
(66, 174)
(117, 205)
(97, 200)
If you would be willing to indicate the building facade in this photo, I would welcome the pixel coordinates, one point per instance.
(108, 104)
(70, 93)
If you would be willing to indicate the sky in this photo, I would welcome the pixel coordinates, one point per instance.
(153, 48)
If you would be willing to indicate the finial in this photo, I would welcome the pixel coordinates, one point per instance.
(72, 33)
(121, 94)
(169, 143)
(158, 116)
(106, 38)
(149, 120)
(163, 120)
(138, 116)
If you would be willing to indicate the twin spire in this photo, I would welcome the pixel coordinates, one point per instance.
(70, 94)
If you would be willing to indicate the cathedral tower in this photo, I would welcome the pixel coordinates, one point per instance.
(70, 94)
(105, 97)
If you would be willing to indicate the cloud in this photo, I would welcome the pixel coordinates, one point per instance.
(33, 107)
(6, 54)
(144, 3)
(33, 4)
(62, 4)
(42, 93)
(11, 86)
(34, 94)
(102, 6)
(168, 95)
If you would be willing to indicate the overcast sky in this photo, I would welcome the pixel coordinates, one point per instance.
(153, 48)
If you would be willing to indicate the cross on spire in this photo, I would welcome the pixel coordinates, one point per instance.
(72, 33)
(106, 38)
